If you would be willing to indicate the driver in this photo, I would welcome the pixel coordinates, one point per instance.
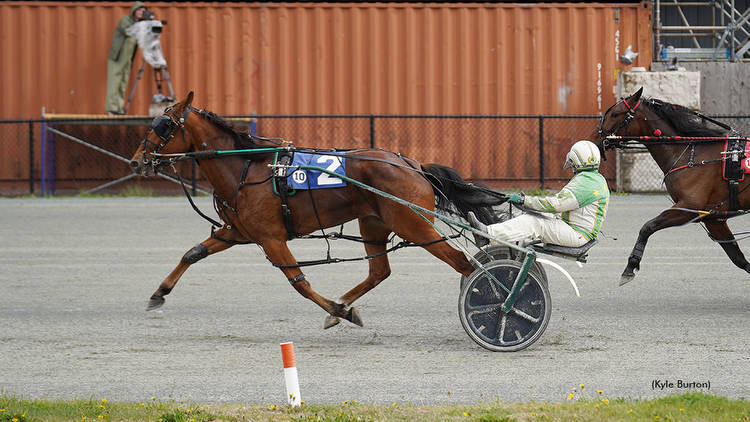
(577, 211)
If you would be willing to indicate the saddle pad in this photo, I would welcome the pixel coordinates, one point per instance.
(735, 165)
(315, 179)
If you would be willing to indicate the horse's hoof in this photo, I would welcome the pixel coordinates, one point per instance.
(626, 278)
(155, 302)
(353, 317)
(331, 321)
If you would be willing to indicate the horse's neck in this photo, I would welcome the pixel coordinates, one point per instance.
(666, 155)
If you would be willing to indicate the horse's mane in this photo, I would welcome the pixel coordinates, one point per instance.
(241, 140)
(682, 119)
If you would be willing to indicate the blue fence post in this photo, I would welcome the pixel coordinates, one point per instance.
(31, 157)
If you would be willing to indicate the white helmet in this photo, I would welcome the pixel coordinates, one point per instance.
(583, 155)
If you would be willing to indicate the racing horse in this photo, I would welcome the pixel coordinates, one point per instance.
(693, 171)
(252, 213)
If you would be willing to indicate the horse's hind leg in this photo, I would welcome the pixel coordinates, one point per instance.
(375, 233)
(720, 231)
(412, 227)
(279, 254)
(207, 247)
(667, 218)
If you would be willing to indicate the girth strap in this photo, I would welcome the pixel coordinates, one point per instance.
(734, 202)
(282, 188)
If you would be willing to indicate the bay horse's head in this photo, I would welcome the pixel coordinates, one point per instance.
(167, 136)
(620, 119)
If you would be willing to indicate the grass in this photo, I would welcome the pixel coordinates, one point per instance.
(692, 406)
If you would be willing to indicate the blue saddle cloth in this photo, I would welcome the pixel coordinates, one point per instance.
(316, 179)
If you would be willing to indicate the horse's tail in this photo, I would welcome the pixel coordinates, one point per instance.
(456, 196)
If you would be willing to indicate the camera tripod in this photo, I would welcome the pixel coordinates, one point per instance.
(160, 75)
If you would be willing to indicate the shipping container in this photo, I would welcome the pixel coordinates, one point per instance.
(323, 58)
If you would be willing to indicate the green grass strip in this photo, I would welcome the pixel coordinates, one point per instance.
(692, 406)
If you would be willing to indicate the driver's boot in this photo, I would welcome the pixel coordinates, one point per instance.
(474, 222)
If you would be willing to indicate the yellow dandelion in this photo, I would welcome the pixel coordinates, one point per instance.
(23, 415)
(191, 420)
(570, 396)
(2, 410)
(605, 401)
(100, 416)
(630, 411)
(533, 413)
(153, 397)
(466, 415)
(354, 401)
(346, 401)
(101, 406)
(599, 391)
(301, 402)
(187, 411)
(104, 400)
(682, 410)
(14, 420)
(272, 407)
(141, 404)
(394, 404)
(596, 405)
(582, 386)
(656, 417)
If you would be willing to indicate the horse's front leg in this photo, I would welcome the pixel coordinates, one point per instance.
(207, 247)
(667, 218)
(280, 255)
(720, 231)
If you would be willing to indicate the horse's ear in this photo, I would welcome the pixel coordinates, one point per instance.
(189, 100)
(637, 95)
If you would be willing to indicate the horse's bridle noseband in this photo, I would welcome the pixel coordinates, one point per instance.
(624, 124)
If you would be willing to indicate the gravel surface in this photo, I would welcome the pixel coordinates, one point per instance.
(75, 276)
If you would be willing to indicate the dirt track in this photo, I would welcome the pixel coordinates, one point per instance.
(75, 275)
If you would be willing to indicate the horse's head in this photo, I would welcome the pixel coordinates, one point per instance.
(620, 119)
(162, 138)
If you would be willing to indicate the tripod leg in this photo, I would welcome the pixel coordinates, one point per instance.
(135, 84)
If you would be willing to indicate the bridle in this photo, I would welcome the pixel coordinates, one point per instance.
(623, 124)
(165, 127)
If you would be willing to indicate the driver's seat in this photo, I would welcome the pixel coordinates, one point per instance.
(579, 254)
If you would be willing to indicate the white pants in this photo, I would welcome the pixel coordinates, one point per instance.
(549, 230)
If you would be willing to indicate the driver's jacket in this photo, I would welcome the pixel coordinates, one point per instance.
(582, 203)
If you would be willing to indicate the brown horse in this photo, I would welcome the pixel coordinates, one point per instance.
(252, 213)
(693, 171)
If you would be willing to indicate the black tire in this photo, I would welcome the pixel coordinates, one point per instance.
(497, 252)
(479, 308)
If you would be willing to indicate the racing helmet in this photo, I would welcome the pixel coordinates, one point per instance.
(583, 155)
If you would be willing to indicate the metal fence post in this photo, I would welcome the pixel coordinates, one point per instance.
(372, 131)
(541, 151)
(31, 157)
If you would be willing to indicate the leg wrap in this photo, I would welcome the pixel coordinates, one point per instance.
(300, 277)
(638, 251)
(196, 254)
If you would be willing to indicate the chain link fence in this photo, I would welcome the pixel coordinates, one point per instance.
(70, 156)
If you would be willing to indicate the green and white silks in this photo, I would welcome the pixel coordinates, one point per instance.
(579, 210)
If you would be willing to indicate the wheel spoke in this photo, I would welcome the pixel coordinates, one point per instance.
(501, 330)
(484, 309)
(524, 315)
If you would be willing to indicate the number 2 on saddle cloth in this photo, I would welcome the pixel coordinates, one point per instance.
(735, 166)
(303, 179)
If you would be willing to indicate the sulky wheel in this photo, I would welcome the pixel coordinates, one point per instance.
(496, 252)
(481, 299)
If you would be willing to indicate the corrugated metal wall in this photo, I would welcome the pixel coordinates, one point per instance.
(331, 58)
